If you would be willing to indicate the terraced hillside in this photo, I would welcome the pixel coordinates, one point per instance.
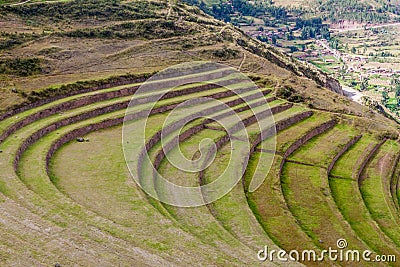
(75, 202)
(67, 196)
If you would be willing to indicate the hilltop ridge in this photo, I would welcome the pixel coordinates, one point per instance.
(69, 41)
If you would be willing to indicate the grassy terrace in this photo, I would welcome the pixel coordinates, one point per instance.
(375, 190)
(198, 216)
(77, 203)
(41, 201)
(316, 213)
(43, 198)
(232, 210)
(277, 214)
(151, 131)
(269, 207)
(30, 175)
(89, 184)
(199, 221)
(321, 150)
(35, 178)
(4, 124)
(268, 202)
(230, 121)
(87, 108)
(351, 205)
(348, 165)
(347, 195)
(287, 137)
(126, 201)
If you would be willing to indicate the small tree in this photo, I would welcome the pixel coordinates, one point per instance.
(273, 38)
(385, 97)
(364, 84)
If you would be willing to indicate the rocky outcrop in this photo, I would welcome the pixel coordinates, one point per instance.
(333, 85)
(374, 105)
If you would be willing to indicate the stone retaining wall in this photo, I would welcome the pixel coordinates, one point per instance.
(93, 99)
(101, 125)
(280, 126)
(394, 182)
(304, 139)
(360, 177)
(42, 102)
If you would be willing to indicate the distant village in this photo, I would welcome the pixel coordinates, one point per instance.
(354, 63)
(350, 63)
(371, 73)
(269, 34)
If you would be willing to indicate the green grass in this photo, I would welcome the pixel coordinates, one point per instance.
(199, 221)
(9, 121)
(321, 150)
(89, 186)
(269, 207)
(265, 123)
(288, 136)
(348, 164)
(111, 192)
(376, 193)
(350, 203)
(44, 196)
(232, 120)
(268, 202)
(316, 211)
(31, 176)
(89, 211)
(232, 210)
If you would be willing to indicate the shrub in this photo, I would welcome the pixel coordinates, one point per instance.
(226, 53)
(21, 66)
(87, 9)
(131, 30)
(289, 94)
(387, 135)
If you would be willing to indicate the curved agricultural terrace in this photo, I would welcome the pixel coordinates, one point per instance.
(75, 203)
